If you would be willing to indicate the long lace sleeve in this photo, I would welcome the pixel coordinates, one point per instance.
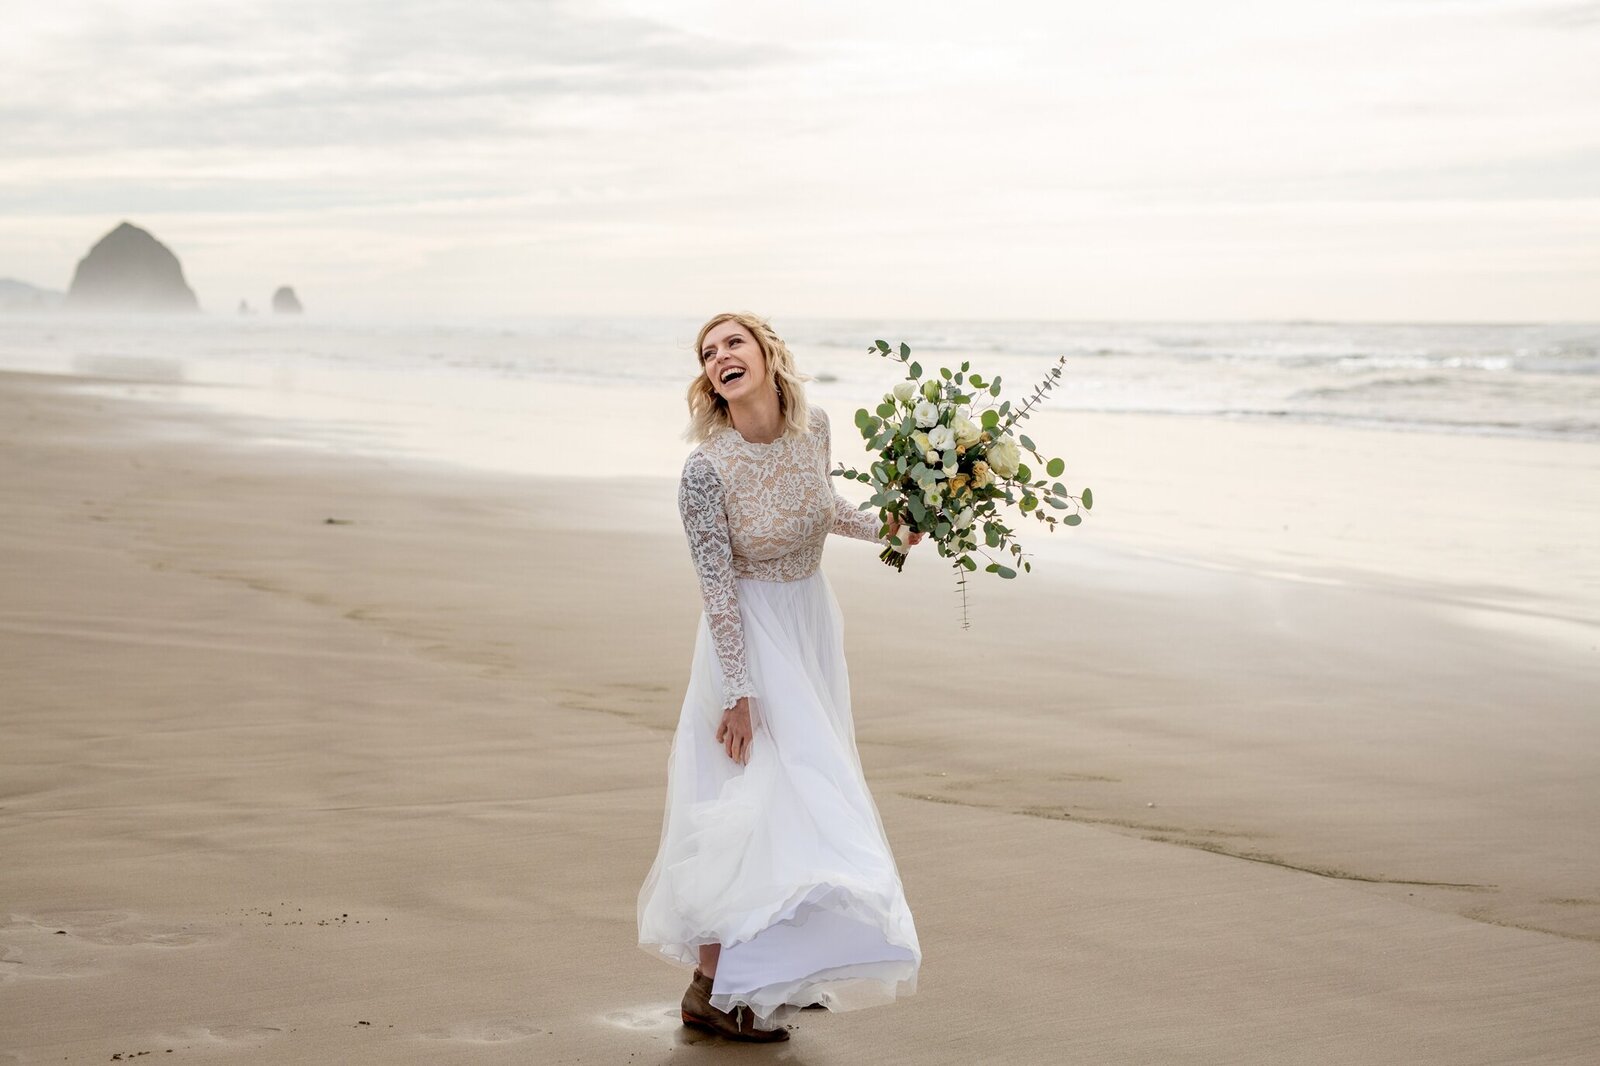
(705, 522)
(847, 521)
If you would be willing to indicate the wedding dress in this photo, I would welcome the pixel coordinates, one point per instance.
(783, 860)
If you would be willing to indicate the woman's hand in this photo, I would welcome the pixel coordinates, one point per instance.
(734, 732)
(894, 532)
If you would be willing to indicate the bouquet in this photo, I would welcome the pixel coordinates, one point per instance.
(946, 461)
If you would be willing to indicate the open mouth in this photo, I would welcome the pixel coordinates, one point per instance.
(732, 374)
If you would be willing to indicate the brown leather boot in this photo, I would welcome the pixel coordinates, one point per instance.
(738, 1025)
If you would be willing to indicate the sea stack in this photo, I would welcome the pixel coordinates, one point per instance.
(129, 270)
(285, 302)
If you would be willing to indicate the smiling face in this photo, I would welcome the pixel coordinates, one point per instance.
(730, 352)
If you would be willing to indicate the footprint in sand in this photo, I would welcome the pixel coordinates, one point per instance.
(234, 1036)
(485, 1031)
(659, 1018)
(114, 928)
(242, 1034)
(62, 943)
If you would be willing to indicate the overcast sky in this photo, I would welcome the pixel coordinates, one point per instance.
(1149, 159)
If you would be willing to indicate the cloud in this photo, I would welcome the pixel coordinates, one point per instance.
(627, 153)
(297, 74)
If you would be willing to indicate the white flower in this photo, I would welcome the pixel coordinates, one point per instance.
(905, 391)
(964, 519)
(930, 457)
(965, 430)
(926, 414)
(941, 438)
(920, 439)
(1004, 456)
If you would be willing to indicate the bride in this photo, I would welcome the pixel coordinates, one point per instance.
(773, 877)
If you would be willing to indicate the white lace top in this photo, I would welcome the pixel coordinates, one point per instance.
(760, 511)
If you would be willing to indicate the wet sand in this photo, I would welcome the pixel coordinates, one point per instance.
(276, 788)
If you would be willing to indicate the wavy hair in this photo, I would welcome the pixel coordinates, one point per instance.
(708, 411)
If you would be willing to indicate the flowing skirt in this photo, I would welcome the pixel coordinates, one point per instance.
(783, 861)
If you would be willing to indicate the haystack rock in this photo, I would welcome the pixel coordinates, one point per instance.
(129, 270)
(285, 302)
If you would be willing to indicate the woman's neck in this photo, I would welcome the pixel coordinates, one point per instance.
(758, 420)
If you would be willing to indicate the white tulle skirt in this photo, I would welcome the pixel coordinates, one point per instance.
(783, 861)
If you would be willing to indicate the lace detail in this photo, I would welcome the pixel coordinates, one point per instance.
(702, 506)
(760, 511)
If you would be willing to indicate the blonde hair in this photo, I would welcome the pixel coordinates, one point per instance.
(708, 411)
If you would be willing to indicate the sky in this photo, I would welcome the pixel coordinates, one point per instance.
(1376, 160)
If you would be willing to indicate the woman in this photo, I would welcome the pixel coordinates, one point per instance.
(774, 874)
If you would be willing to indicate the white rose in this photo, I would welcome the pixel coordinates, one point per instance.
(926, 414)
(966, 431)
(941, 438)
(1004, 457)
(905, 391)
(920, 439)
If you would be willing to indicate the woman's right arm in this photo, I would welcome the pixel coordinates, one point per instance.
(702, 505)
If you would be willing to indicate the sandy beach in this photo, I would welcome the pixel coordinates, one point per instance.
(1291, 754)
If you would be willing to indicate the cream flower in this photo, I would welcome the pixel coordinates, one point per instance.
(920, 439)
(1005, 457)
(966, 430)
(905, 391)
(981, 474)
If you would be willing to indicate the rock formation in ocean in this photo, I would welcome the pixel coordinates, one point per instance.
(129, 270)
(20, 296)
(285, 302)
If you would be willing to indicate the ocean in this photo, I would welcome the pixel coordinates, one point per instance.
(476, 391)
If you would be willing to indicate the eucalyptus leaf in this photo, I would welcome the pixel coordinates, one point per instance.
(1072, 519)
(883, 346)
(1055, 467)
(1088, 500)
(916, 370)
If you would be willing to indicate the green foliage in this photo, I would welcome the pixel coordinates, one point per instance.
(902, 480)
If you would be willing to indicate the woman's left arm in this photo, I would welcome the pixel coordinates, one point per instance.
(847, 521)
